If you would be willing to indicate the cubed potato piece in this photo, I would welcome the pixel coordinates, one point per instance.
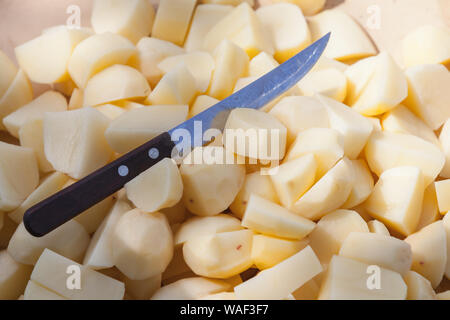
(142, 289)
(221, 255)
(51, 272)
(427, 93)
(377, 249)
(133, 252)
(205, 17)
(31, 135)
(386, 150)
(231, 64)
(426, 45)
(266, 135)
(330, 82)
(430, 209)
(298, 113)
(348, 41)
(115, 83)
(131, 19)
(35, 291)
(397, 199)
(327, 194)
(199, 63)
(419, 288)
(332, 230)
(96, 53)
(70, 240)
(99, 254)
(282, 279)
(261, 64)
(13, 278)
(443, 195)
(348, 279)
(19, 175)
(355, 128)
(151, 52)
(172, 20)
(269, 251)
(76, 99)
(200, 104)
(309, 7)
(19, 93)
(202, 226)
(279, 20)
(50, 101)
(293, 178)
(359, 76)
(255, 183)
(429, 248)
(9, 71)
(49, 186)
(271, 219)
(178, 86)
(210, 188)
(378, 227)
(156, 188)
(140, 125)
(242, 27)
(45, 58)
(327, 145)
(190, 289)
(362, 185)
(402, 120)
(111, 111)
(444, 139)
(386, 88)
(74, 141)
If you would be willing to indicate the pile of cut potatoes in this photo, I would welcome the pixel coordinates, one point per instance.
(356, 209)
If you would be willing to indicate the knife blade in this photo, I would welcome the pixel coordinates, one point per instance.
(59, 208)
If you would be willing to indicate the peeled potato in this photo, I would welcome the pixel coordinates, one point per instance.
(201, 226)
(210, 188)
(419, 288)
(50, 101)
(142, 244)
(426, 45)
(131, 19)
(362, 184)
(376, 249)
(190, 288)
(178, 86)
(386, 150)
(96, 53)
(261, 64)
(332, 230)
(348, 279)
(446, 223)
(205, 17)
(156, 188)
(35, 291)
(138, 126)
(172, 20)
(221, 255)
(331, 83)
(348, 40)
(282, 278)
(231, 64)
(31, 135)
(429, 248)
(444, 139)
(70, 240)
(199, 63)
(268, 218)
(378, 227)
(45, 58)
(9, 71)
(429, 102)
(242, 27)
(200, 104)
(279, 20)
(298, 113)
(74, 141)
(13, 278)
(111, 111)
(19, 175)
(76, 100)
(266, 135)
(430, 210)
(443, 195)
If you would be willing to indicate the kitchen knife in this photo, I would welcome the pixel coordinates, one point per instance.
(80, 196)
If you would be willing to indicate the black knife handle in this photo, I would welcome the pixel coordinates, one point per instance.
(80, 196)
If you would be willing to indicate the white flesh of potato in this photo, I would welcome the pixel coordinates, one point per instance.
(330, 82)
(156, 188)
(444, 139)
(190, 288)
(362, 185)
(13, 278)
(9, 71)
(419, 288)
(378, 227)
(443, 195)
(31, 135)
(446, 223)
(261, 64)
(35, 291)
